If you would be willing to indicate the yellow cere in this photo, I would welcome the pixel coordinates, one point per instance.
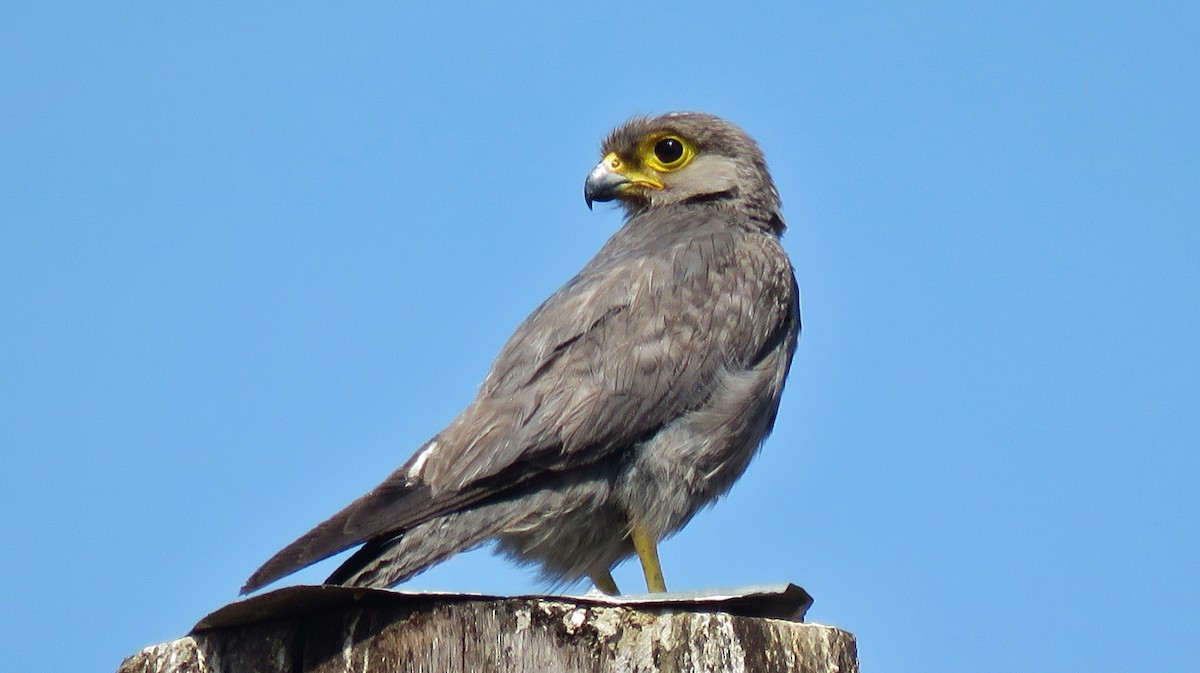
(636, 178)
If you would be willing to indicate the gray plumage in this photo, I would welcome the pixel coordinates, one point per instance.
(637, 393)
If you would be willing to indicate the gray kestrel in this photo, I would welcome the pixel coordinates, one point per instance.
(628, 401)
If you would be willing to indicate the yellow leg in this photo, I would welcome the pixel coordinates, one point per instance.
(647, 551)
(605, 583)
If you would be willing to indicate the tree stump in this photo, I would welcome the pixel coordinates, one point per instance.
(325, 629)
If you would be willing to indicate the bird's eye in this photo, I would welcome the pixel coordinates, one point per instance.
(665, 153)
(668, 150)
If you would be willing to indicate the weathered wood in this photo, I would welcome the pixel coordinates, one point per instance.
(306, 629)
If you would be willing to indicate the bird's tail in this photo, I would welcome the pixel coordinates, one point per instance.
(380, 514)
(383, 562)
(403, 529)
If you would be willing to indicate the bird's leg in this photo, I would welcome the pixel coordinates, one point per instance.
(605, 583)
(647, 551)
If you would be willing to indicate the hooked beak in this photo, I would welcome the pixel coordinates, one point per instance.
(603, 183)
(611, 179)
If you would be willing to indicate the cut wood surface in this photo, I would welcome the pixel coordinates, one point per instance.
(327, 629)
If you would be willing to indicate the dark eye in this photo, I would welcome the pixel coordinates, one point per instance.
(668, 150)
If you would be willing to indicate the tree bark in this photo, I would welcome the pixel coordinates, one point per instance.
(327, 629)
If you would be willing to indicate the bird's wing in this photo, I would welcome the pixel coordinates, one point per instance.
(620, 351)
(637, 339)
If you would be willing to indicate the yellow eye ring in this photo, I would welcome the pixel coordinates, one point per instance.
(666, 152)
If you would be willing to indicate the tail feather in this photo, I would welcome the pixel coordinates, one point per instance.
(403, 527)
(382, 513)
(397, 516)
(384, 562)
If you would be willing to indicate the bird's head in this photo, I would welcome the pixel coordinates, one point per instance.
(680, 157)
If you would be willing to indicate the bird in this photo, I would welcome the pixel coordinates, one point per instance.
(627, 402)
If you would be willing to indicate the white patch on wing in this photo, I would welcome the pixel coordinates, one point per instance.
(419, 464)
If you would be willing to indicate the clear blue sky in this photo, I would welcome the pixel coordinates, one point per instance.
(253, 254)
